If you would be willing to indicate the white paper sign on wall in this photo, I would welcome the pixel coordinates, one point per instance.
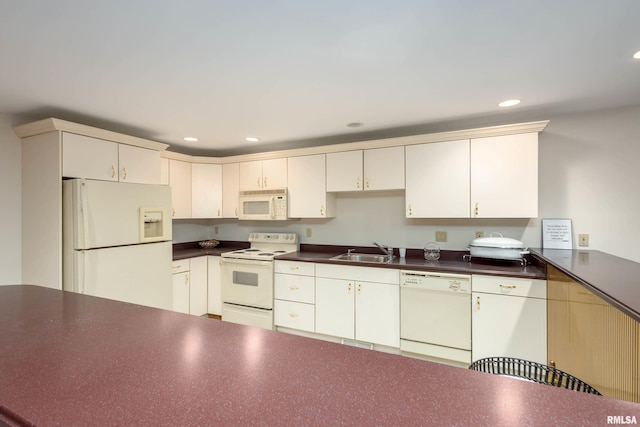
(557, 234)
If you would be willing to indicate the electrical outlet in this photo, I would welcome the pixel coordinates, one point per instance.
(441, 236)
(215, 229)
(583, 239)
(309, 233)
(479, 234)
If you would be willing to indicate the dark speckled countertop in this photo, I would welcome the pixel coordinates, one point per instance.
(71, 359)
(449, 262)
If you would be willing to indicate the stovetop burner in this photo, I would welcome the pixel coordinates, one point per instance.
(265, 246)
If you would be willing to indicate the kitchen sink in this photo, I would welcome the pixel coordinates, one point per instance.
(355, 257)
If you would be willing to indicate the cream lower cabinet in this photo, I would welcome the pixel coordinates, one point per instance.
(198, 272)
(180, 285)
(509, 318)
(308, 197)
(214, 289)
(294, 305)
(190, 286)
(360, 303)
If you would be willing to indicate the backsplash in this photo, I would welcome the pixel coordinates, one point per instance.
(361, 220)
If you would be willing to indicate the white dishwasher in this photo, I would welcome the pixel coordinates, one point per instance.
(435, 315)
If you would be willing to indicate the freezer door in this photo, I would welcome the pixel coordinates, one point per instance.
(139, 274)
(103, 214)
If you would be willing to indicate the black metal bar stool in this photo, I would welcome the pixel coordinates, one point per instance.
(531, 371)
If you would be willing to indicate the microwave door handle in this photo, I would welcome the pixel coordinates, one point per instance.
(272, 207)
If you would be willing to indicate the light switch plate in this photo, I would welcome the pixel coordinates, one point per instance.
(441, 236)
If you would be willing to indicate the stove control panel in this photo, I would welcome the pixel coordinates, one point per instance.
(273, 237)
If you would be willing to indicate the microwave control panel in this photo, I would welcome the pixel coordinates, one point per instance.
(280, 207)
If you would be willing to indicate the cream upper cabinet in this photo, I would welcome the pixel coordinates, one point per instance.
(94, 158)
(384, 169)
(263, 174)
(87, 157)
(206, 190)
(493, 177)
(230, 189)
(344, 171)
(365, 170)
(504, 176)
(140, 165)
(180, 181)
(308, 196)
(437, 177)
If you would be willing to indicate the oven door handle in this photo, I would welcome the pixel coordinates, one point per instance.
(236, 261)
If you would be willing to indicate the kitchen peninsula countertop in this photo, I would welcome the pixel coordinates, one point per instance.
(71, 359)
(614, 279)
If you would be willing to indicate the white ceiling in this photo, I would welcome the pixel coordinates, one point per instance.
(295, 72)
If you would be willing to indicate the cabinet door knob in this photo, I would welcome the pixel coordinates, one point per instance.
(124, 173)
(507, 286)
(293, 288)
(113, 171)
(264, 182)
(294, 315)
(358, 182)
(476, 210)
(477, 303)
(367, 182)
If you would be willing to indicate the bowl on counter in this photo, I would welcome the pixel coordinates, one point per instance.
(431, 251)
(209, 244)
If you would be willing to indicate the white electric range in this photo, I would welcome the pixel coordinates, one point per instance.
(247, 278)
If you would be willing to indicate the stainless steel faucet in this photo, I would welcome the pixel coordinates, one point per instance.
(388, 250)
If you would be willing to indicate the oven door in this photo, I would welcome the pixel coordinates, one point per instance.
(247, 282)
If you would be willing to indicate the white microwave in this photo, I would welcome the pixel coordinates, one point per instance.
(263, 205)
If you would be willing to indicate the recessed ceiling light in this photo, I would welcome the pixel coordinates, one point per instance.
(636, 55)
(355, 125)
(190, 139)
(509, 103)
(252, 139)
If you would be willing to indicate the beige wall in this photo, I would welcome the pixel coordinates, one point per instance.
(10, 210)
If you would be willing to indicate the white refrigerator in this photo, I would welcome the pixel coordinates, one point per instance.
(117, 241)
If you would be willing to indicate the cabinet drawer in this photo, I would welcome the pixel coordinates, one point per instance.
(514, 286)
(295, 288)
(294, 315)
(180, 266)
(295, 267)
(580, 294)
(364, 274)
